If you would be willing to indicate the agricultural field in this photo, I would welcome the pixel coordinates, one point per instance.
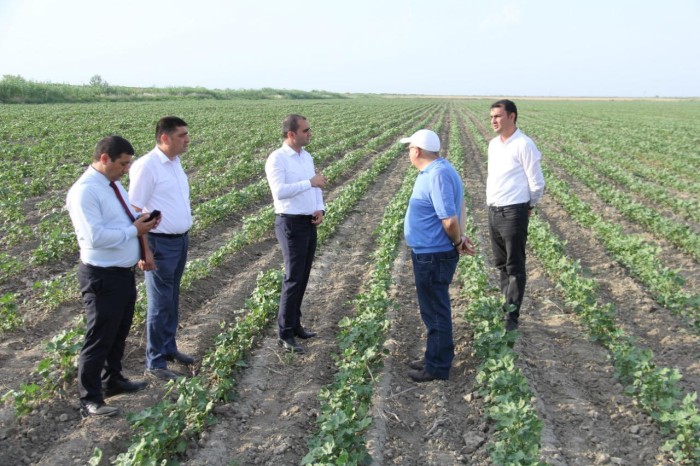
(604, 368)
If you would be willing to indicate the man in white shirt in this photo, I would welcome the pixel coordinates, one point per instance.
(298, 201)
(109, 236)
(514, 186)
(158, 182)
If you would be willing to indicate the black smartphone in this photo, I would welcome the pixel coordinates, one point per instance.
(154, 214)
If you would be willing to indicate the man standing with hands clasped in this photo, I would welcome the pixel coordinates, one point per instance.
(111, 243)
(514, 185)
(298, 201)
(158, 183)
(434, 230)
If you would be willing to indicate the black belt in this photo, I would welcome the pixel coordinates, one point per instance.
(112, 269)
(169, 235)
(304, 217)
(495, 208)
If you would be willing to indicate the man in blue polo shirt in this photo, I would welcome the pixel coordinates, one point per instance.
(434, 230)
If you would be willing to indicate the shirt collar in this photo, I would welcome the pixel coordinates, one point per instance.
(289, 151)
(162, 157)
(98, 175)
(433, 164)
(512, 136)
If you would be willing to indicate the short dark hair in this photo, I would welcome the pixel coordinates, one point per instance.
(291, 123)
(508, 106)
(114, 146)
(167, 125)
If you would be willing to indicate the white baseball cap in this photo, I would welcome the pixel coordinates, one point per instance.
(425, 139)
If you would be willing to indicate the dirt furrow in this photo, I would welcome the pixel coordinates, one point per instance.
(433, 423)
(654, 327)
(428, 423)
(275, 415)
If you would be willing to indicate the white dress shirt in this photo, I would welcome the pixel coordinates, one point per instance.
(106, 235)
(158, 183)
(289, 174)
(514, 171)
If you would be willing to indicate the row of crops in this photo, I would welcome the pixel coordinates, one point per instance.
(627, 171)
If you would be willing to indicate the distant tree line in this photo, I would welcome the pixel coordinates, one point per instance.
(16, 89)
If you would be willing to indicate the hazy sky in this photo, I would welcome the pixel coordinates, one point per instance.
(467, 47)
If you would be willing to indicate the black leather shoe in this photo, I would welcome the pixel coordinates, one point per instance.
(511, 323)
(123, 386)
(303, 334)
(182, 358)
(290, 344)
(93, 408)
(422, 376)
(417, 365)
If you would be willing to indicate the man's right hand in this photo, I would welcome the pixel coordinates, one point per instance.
(318, 181)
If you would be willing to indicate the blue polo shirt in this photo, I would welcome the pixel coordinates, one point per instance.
(437, 195)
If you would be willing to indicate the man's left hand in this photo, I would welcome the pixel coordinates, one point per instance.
(317, 218)
(466, 246)
(148, 263)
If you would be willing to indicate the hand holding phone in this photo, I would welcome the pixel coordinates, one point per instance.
(152, 215)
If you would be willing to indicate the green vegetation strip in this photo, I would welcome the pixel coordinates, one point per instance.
(664, 228)
(9, 317)
(654, 389)
(345, 404)
(164, 430)
(609, 164)
(659, 151)
(15, 89)
(506, 393)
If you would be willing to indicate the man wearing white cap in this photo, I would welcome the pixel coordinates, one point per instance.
(434, 230)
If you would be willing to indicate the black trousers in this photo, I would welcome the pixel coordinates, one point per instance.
(109, 294)
(297, 237)
(508, 230)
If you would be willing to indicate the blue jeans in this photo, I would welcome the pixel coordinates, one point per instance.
(508, 230)
(163, 291)
(433, 274)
